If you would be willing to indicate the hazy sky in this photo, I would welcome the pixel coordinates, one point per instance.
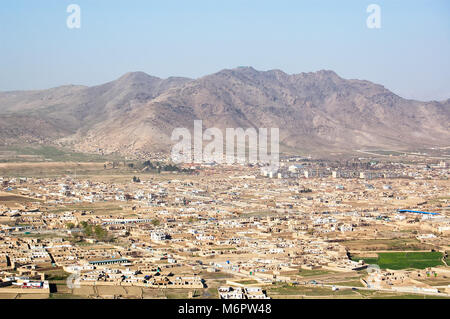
(410, 54)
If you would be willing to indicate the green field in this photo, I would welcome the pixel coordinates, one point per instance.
(396, 261)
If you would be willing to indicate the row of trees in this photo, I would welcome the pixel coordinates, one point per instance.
(160, 167)
(90, 230)
(96, 231)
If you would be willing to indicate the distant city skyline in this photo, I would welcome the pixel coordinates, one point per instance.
(408, 54)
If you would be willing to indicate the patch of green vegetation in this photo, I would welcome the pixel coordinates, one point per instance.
(396, 261)
(57, 274)
(70, 225)
(96, 231)
(160, 167)
(155, 222)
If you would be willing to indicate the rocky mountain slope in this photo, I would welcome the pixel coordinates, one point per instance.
(315, 112)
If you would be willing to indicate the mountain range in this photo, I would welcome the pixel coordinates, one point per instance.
(316, 112)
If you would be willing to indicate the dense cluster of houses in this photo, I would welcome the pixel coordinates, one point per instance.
(241, 220)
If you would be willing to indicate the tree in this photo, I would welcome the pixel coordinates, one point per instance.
(100, 232)
(170, 168)
(87, 230)
(148, 164)
(70, 225)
